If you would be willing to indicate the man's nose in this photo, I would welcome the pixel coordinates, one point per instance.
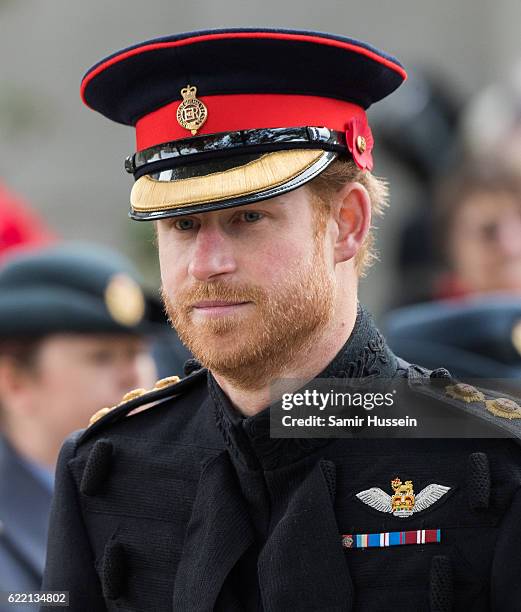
(212, 255)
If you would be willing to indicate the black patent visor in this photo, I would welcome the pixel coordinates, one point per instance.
(158, 160)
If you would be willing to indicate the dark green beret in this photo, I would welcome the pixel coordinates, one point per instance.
(72, 287)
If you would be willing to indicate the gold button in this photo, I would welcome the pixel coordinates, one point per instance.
(98, 415)
(133, 394)
(464, 392)
(504, 407)
(166, 382)
(361, 144)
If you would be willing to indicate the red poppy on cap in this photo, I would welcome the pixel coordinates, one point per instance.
(360, 142)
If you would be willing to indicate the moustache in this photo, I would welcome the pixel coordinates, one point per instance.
(216, 291)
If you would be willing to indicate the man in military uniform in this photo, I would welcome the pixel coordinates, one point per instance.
(254, 159)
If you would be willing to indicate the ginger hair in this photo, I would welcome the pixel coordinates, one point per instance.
(334, 177)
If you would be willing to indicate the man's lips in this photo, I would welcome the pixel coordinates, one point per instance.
(217, 308)
(216, 304)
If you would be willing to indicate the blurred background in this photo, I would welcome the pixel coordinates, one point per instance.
(462, 101)
(68, 163)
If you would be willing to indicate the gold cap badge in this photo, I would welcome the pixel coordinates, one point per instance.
(191, 113)
(124, 300)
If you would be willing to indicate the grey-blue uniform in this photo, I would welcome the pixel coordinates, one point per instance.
(25, 501)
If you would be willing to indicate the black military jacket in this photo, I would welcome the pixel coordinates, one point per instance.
(189, 507)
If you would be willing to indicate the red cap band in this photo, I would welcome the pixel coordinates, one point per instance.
(229, 113)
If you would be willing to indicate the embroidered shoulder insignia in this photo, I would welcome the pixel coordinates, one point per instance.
(496, 408)
(504, 407)
(99, 414)
(403, 502)
(464, 392)
(166, 382)
(164, 388)
(130, 395)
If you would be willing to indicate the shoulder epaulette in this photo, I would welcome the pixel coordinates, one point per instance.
(166, 388)
(497, 408)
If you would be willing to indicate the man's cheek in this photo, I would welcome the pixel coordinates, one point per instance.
(172, 284)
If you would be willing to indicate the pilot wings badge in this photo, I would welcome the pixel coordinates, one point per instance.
(403, 502)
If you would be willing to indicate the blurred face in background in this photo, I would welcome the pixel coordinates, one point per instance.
(69, 378)
(485, 242)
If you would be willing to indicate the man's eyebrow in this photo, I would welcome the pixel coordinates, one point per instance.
(278, 201)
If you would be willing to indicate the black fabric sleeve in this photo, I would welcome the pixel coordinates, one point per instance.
(70, 561)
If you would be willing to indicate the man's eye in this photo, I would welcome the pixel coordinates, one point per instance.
(250, 216)
(184, 224)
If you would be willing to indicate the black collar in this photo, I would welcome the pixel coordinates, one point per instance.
(364, 355)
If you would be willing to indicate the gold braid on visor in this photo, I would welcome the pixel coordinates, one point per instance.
(268, 175)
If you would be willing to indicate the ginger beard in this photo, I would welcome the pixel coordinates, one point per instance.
(252, 348)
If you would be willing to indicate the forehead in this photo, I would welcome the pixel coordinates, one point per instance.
(489, 205)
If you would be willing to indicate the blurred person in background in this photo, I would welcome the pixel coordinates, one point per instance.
(491, 121)
(73, 338)
(419, 133)
(478, 230)
(474, 327)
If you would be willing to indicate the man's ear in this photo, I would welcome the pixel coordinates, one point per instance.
(352, 212)
(14, 379)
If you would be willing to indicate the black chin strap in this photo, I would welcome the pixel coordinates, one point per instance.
(225, 145)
